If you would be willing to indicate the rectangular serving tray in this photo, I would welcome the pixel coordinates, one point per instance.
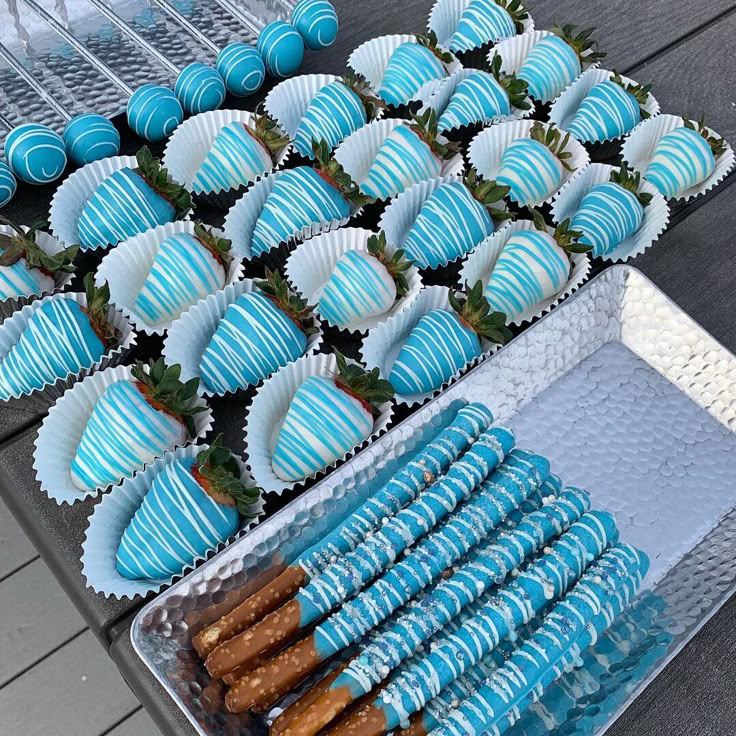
(629, 398)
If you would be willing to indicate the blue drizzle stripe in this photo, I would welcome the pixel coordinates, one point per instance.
(200, 88)
(18, 280)
(241, 67)
(410, 67)
(123, 433)
(482, 22)
(550, 68)
(608, 111)
(322, 424)
(478, 98)
(316, 21)
(531, 170)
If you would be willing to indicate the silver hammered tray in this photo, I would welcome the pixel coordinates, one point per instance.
(629, 398)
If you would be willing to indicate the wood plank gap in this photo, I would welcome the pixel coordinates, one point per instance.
(21, 429)
(19, 568)
(121, 721)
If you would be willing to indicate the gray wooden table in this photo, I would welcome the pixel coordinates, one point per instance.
(687, 50)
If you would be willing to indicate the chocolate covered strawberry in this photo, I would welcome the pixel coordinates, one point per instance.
(487, 21)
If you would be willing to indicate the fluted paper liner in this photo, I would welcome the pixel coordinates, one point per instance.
(190, 335)
(71, 197)
(41, 399)
(268, 411)
(482, 260)
(358, 151)
(311, 264)
(371, 59)
(113, 514)
(62, 430)
(126, 267)
(382, 345)
(656, 213)
(639, 148)
(566, 105)
(487, 148)
(48, 244)
(191, 142)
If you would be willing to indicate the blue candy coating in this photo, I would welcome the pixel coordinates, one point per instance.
(35, 153)
(90, 137)
(200, 88)
(410, 67)
(242, 69)
(608, 111)
(8, 184)
(281, 47)
(154, 112)
(481, 22)
(478, 98)
(531, 170)
(552, 65)
(316, 21)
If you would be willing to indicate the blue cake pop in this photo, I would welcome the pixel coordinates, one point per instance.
(316, 21)
(35, 153)
(242, 69)
(90, 137)
(8, 184)
(281, 47)
(154, 112)
(200, 88)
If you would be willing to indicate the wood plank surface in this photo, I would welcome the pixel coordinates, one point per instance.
(16, 549)
(137, 724)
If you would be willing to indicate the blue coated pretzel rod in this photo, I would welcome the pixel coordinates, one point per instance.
(341, 579)
(403, 487)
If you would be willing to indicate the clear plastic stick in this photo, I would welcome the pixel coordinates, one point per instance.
(186, 24)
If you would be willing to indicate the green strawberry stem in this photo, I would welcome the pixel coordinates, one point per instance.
(431, 43)
(551, 137)
(425, 126)
(474, 311)
(276, 288)
(489, 193)
(220, 248)
(22, 244)
(366, 386)
(631, 181)
(218, 472)
(581, 43)
(371, 102)
(267, 132)
(97, 309)
(564, 237)
(166, 393)
(516, 89)
(640, 92)
(516, 10)
(717, 145)
(333, 173)
(158, 179)
(395, 264)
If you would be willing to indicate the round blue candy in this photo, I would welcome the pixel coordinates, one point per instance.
(35, 153)
(200, 88)
(154, 112)
(90, 137)
(281, 47)
(8, 184)
(241, 66)
(316, 21)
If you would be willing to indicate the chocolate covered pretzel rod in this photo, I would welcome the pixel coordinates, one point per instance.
(340, 580)
(404, 486)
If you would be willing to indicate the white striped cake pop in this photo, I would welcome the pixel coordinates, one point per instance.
(35, 153)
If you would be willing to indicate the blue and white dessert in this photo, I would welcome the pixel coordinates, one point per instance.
(200, 88)
(193, 505)
(327, 418)
(281, 47)
(557, 60)
(611, 212)
(241, 68)
(487, 21)
(239, 154)
(131, 201)
(454, 219)
(316, 21)
(187, 268)
(35, 153)
(8, 184)
(90, 137)
(154, 112)
(444, 341)
(134, 421)
(260, 332)
(60, 338)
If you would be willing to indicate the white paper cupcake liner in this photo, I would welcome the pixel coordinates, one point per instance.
(113, 514)
(49, 244)
(639, 146)
(126, 267)
(656, 213)
(357, 152)
(311, 264)
(41, 399)
(190, 335)
(371, 59)
(487, 148)
(514, 52)
(441, 97)
(445, 16)
(71, 197)
(481, 261)
(62, 429)
(267, 413)
(566, 105)
(190, 144)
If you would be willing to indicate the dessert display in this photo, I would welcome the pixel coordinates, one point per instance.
(316, 21)
(281, 48)
(154, 112)
(241, 68)
(90, 137)
(487, 21)
(35, 153)
(200, 88)
(8, 184)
